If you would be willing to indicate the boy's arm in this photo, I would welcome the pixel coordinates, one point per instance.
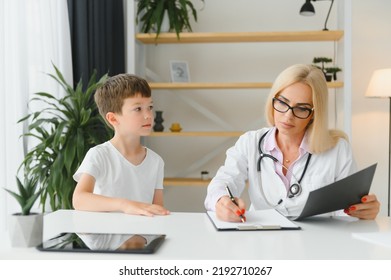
(158, 197)
(84, 199)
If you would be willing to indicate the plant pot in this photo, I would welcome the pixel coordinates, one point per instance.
(165, 27)
(328, 77)
(25, 231)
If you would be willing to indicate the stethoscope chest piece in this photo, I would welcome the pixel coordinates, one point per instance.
(294, 190)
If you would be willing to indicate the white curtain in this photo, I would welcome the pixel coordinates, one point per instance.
(33, 35)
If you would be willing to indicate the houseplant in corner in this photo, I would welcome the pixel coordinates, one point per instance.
(25, 228)
(65, 130)
(151, 14)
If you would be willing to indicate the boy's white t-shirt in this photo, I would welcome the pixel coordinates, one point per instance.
(115, 176)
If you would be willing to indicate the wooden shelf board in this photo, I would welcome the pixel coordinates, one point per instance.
(192, 182)
(198, 133)
(240, 37)
(195, 86)
(208, 85)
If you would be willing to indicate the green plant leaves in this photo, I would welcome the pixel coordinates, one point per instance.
(151, 13)
(27, 194)
(65, 130)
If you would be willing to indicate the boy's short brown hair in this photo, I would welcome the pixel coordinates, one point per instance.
(111, 95)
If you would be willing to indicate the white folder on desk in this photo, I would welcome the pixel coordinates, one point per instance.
(268, 219)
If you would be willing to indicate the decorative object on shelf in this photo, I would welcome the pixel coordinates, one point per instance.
(158, 126)
(176, 127)
(329, 72)
(25, 227)
(150, 13)
(308, 10)
(333, 71)
(179, 71)
(68, 127)
(380, 86)
(205, 175)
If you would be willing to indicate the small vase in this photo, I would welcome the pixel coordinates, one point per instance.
(158, 121)
(26, 231)
(165, 26)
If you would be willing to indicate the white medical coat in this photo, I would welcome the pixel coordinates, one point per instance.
(266, 188)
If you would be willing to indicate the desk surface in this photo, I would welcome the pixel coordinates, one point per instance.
(319, 238)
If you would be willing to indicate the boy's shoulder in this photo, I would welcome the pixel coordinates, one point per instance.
(153, 154)
(103, 148)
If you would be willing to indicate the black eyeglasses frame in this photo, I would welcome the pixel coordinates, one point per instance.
(310, 111)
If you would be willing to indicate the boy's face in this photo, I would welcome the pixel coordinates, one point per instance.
(136, 118)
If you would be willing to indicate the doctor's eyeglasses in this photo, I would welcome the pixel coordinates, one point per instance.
(298, 111)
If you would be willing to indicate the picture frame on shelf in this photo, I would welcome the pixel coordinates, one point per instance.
(179, 70)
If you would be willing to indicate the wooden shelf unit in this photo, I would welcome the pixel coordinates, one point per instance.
(194, 86)
(190, 182)
(197, 134)
(227, 37)
(240, 37)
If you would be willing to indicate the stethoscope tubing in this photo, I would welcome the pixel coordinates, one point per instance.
(295, 189)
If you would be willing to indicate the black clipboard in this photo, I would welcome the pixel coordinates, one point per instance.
(268, 219)
(102, 243)
(339, 195)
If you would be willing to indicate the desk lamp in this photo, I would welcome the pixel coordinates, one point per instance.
(308, 10)
(380, 86)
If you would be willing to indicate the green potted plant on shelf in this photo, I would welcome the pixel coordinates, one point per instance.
(25, 227)
(329, 72)
(65, 130)
(333, 71)
(152, 14)
(322, 61)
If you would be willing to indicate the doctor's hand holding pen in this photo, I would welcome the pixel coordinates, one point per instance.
(231, 209)
(228, 211)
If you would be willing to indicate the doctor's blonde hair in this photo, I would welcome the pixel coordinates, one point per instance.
(321, 138)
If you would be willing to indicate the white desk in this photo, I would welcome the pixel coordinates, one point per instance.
(192, 236)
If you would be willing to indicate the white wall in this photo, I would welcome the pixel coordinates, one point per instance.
(371, 50)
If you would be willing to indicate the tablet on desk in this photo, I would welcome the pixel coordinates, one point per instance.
(103, 243)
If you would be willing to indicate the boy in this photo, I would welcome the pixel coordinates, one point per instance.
(121, 175)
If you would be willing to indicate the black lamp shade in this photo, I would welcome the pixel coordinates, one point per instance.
(307, 9)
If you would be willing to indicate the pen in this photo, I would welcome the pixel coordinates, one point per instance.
(234, 201)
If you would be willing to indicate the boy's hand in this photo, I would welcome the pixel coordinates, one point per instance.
(144, 209)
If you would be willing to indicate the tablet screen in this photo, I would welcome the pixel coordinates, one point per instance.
(104, 243)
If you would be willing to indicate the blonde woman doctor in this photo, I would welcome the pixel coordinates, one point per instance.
(294, 156)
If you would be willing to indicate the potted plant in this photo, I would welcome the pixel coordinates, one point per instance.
(151, 14)
(25, 227)
(322, 60)
(333, 71)
(329, 72)
(65, 130)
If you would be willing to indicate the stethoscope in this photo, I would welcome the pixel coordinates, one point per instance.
(295, 189)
